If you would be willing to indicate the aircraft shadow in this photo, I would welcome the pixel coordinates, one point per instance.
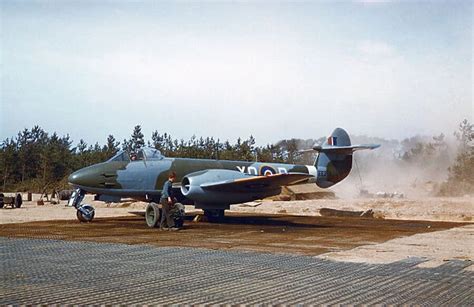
(266, 220)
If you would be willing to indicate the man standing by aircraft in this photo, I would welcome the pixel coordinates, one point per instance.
(166, 201)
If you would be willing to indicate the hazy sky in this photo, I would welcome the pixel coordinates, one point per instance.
(228, 69)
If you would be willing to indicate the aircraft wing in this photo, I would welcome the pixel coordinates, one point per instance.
(254, 183)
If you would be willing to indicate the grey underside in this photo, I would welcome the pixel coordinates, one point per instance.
(62, 272)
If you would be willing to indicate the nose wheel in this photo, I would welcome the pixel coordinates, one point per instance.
(85, 213)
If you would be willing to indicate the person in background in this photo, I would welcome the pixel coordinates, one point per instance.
(166, 202)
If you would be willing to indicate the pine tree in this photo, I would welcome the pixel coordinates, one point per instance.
(8, 161)
(112, 146)
(137, 141)
(461, 172)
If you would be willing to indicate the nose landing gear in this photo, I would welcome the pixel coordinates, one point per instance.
(85, 213)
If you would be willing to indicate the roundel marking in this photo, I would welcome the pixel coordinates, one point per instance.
(266, 170)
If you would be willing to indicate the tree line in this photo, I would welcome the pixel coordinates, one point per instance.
(461, 172)
(35, 159)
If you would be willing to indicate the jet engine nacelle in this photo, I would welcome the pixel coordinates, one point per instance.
(198, 188)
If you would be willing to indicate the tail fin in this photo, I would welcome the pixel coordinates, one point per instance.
(334, 162)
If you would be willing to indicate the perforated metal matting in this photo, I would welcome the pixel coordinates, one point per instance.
(36, 271)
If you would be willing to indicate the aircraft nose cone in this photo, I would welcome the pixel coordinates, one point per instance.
(86, 177)
(78, 178)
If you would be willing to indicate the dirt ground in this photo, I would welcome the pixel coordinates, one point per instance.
(435, 228)
(264, 233)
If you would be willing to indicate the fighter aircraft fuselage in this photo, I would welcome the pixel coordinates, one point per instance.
(144, 179)
(211, 185)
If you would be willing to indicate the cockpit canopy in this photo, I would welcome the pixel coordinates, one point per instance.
(146, 153)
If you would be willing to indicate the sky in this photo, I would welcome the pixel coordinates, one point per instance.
(272, 69)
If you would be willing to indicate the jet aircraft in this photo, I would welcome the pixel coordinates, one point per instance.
(211, 185)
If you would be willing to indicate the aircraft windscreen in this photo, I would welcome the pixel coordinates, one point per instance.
(152, 153)
(120, 156)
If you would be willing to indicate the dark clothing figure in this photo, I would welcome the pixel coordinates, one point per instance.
(166, 220)
(167, 190)
(166, 194)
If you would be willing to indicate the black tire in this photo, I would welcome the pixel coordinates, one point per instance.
(152, 215)
(18, 200)
(86, 218)
(214, 215)
(1, 200)
(178, 214)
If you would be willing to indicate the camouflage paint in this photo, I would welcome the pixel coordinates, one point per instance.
(145, 178)
(139, 178)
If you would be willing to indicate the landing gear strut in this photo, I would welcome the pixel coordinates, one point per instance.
(85, 213)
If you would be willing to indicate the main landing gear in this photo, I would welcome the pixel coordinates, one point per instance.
(85, 213)
(214, 215)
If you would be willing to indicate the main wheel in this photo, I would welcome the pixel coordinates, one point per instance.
(152, 215)
(85, 213)
(18, 200)
(214, 215)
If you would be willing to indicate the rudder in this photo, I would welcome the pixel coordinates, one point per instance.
(331, 164)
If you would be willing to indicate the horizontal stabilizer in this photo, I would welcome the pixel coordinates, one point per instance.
(347, 150)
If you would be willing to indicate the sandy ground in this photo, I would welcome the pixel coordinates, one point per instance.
(426, 209)
(460, 209)
(30, 211)
(436, 247)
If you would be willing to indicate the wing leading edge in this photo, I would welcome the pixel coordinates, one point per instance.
(254, 183)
